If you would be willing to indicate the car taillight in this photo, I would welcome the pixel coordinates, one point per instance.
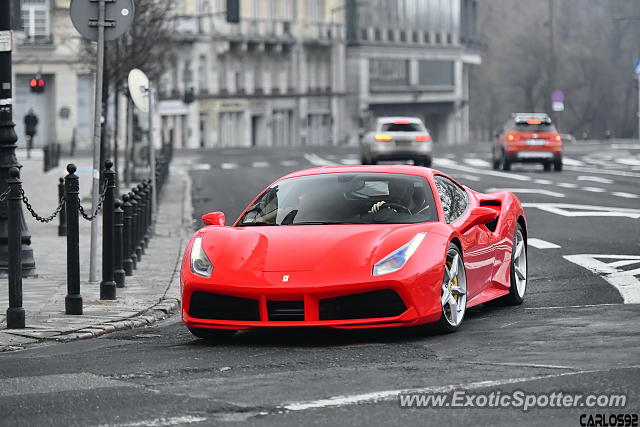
(383, 137)
(423, 138)
(512, 137)
(558, 138)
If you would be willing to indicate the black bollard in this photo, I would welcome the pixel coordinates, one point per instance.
(134, 229)
(127, 262)
(15, 312)
(143, 217)
(108, 284)
(73, 300)
(118, 242)
(148, 209)
(139, 224)
(62, 225)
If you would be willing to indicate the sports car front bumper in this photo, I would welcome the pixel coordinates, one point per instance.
(362, 305)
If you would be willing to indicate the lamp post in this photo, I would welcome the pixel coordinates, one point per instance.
(8, 140)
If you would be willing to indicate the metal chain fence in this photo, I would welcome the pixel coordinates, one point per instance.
(4, 195)
(35, 215)
(98, 208)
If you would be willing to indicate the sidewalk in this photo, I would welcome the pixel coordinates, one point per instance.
(152, 293)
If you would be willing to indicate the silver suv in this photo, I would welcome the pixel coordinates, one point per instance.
(397, 138)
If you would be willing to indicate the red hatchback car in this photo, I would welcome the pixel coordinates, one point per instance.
(528, 138)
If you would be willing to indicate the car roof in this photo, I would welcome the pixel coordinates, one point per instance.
(395, 169)
(400, 118)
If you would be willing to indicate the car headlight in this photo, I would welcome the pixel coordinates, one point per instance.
(200, 264)
(398, 258)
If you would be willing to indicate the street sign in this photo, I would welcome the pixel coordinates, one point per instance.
(557, 106)
(557, 96)
(6, 41)
(118, 17)
(637, 70)
(139, 89)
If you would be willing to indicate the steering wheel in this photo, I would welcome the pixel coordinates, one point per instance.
(396, 206)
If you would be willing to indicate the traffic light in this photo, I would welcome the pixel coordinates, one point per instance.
(233, 11)
(37, 84)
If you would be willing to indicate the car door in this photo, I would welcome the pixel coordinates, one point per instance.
(477, 243)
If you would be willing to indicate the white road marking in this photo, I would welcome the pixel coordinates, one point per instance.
(568, 306)
(350, 162)
(623, 280)
(595, 179)
(572, 162)
(446, 163)
(628, 162)
(604, 171)
(625, 195)
(289, 162)
(479, 163)
(201, 167)
(260, 164)
(316, 160)
(387, 395)
(594, 189)
(542, 181)
(541, 244)
(229, 165)
(159, 422)
(527, 191)
(468, 177)
(569, 210)
(566, 185)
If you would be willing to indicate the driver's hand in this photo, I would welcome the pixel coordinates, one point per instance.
(376, 207)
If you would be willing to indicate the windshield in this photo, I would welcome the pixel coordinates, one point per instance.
(402, 127)
(543, 127)
(344, 198)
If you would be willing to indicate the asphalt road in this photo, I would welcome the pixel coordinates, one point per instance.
(577, 332)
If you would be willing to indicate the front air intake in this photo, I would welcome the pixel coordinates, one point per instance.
(205, 305)
(366, 305)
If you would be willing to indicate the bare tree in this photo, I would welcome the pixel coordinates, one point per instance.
(147, 45)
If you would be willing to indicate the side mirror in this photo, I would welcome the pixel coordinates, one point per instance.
(214, 218)
(478, 216)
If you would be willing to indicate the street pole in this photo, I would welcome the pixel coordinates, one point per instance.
(8, 139)
(152, 153)
(95, 190)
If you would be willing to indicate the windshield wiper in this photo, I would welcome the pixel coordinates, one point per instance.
(256, 223)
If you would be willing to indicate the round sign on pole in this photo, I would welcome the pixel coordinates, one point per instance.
(139, 89)
(84, 16)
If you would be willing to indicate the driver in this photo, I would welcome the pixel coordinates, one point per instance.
(403, 193)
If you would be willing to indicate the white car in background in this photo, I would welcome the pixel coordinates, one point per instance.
(397, 138)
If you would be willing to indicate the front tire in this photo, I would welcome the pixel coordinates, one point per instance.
(213, 334)
(518, 271)
(547, 166)
(453, 296)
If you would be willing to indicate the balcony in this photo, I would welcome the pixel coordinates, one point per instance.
(322, 33)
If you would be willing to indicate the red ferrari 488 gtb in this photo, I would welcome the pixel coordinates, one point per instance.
(355, 247)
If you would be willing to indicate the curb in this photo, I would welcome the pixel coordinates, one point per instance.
(160, 311)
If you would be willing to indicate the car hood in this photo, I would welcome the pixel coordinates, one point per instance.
(305, 247)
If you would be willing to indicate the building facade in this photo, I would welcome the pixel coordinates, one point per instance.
(289, 73)
(275, 78)
(411, 57)
(47, 45)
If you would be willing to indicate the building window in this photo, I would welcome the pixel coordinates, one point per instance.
(203, 78)
(36, 19)
(436, 73)
(384, 73)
